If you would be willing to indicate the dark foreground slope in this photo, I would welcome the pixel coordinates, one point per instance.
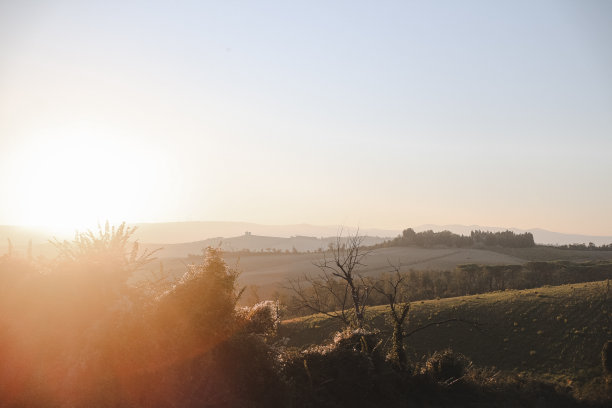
(551, 331)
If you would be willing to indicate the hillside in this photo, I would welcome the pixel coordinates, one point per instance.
(178, 232)
(546, 253)
(253, 243)
(181, 232)
(189, 233)
(550, 331)
(270, 270)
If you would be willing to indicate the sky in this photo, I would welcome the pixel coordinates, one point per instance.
(384, 114)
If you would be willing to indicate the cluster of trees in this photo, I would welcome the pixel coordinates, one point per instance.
(341, 292)
(507, 239)
(266, 251)
(467, 279)
(429, 238)
(584, 247)
(473, 279)
(262, 251)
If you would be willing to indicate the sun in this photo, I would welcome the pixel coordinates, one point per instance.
(74, 180)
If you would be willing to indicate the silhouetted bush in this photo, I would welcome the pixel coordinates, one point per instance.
(73, 332)
(218, 355)
(446, 365)
(355, 340)
(337, 374)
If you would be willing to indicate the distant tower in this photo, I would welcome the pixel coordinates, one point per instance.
(247, 234)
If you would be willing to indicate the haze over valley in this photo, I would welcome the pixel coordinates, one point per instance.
(301, 204)
(180, 239)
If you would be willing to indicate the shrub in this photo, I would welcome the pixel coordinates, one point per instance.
(355, 339)
(201, 306)
(249, 367)
(262, 318)
(330, 376)
(446, 365)
(215, 355)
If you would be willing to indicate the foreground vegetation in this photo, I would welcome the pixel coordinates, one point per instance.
(74, 333)
(567, 324)
(551, 333)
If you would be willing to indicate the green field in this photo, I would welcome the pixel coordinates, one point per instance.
(555, 332)
(547, 253)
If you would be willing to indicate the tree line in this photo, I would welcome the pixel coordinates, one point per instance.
(429, 238)
(468, 279)
(584, 247)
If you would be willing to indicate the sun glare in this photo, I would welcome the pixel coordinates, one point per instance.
(74, 180)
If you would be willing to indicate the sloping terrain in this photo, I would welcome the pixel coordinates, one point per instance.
(267, 269)
(190, 231)
(556, 331)
(273, 269)
(253, 243)
(543, 253)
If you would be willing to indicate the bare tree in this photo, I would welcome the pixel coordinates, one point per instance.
(392, 286)
(338, 291)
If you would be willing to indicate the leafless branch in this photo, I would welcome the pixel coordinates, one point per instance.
(338, 281)
(418, 329)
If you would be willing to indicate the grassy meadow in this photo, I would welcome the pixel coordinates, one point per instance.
(550, 332)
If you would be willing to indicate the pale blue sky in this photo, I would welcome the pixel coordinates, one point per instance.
(382, 114)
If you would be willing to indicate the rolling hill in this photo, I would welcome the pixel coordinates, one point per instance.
(270, 271)
(170, 233)
(253, 243)
(552, 331)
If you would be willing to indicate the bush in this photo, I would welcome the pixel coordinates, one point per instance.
(201, 307)
(446, 365)
(214, 354)
(262, 318)
(355, 339)
(249, 367)
(331, 376)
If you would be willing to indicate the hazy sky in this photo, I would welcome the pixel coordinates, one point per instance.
(380, 114)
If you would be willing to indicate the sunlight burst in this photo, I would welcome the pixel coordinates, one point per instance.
(79, 178)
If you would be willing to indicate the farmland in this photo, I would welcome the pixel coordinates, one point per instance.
(550, 332)
(269, 271)
(266, 269)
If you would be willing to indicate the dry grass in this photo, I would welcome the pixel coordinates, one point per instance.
(551, 331)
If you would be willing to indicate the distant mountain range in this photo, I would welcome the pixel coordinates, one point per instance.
(181, 238)
(180, 232)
